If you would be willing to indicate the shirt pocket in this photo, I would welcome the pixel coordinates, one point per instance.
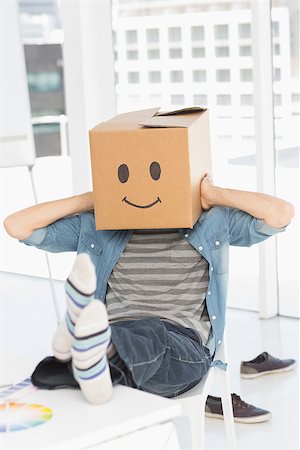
(219, 251)
(90, 245)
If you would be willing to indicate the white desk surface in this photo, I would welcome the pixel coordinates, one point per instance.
(77, 424)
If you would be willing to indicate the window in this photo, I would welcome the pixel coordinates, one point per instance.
(222, 51)
(223, 75)
(198, 52)
(155, 98)
(225, 137)
(248, 138)
(244, 30)
(275, 29)
(132, 54)
(295, 98)
(175, 34)
(134, 99)
(197, 33)
(152, 35)
(153, 54)
(133, 77)
(175, 53)
(176, 76)
(177, 100)
(155, 76)
(246, 74)
(276, 49)
(44, 81)
(221, 31)
(277, 99)
(223, 99)
(245, 50)
(131, 37)
(247, 99)
(277, 74)
(200, 99)
(199, 76)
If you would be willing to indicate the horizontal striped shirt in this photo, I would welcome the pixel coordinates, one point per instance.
(160, 274)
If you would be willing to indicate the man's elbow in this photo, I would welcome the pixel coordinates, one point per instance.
(12, 227)
(284, 215)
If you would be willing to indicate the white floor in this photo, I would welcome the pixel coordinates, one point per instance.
(27, 323)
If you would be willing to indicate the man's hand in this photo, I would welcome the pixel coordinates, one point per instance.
(207, 192)
(276, 212)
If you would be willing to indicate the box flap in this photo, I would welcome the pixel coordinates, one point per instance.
(126, 121)
(134, 116)
(175, 118)
(187, 110)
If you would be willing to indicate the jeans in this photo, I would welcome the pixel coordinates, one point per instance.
(160, 357)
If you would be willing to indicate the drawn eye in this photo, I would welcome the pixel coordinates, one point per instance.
(155, 170)
(123, 173)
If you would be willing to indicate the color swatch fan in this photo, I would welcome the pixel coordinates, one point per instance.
(21, 416)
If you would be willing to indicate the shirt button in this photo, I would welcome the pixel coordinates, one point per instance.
(92, 245)
(200, 248)
(186, 235)
(219, 342)
(211, 268)
(217, 242)
(214, 317)
(208, 293)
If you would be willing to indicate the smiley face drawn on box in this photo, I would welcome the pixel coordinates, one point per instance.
(123, 175)
(142, 176)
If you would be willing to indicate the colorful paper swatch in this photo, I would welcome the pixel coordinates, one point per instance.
(21, 416)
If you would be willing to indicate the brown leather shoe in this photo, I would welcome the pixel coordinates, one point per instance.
(242, 412)
(265, 364)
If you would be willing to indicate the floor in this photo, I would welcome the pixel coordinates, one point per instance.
(27, 323)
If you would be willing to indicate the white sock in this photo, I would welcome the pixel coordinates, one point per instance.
(80, 288)
(90, 366)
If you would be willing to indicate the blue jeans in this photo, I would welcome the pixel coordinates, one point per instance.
(160, 358)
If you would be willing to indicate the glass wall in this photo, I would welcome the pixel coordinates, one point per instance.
(286, 87)
(189, 54)
(42, 37)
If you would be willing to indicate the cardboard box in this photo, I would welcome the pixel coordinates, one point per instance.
(147, 166)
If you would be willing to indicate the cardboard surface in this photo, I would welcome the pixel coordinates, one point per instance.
(147, 166)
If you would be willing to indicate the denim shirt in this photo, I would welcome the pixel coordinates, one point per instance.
(211, 236)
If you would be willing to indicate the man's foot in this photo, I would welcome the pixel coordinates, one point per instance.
(51, 373)
(80, 288)
(265, 364)
(242, 412)
(92, 337)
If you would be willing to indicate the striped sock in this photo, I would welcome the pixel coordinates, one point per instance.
(90, 366)
(80, 288)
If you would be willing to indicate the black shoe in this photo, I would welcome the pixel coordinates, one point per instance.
(51, 373)
(265, 364)
(242, 411)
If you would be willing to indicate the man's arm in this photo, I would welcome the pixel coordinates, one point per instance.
(274, 211)
(21, 224)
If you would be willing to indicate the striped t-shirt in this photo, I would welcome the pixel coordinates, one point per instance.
(160, 274)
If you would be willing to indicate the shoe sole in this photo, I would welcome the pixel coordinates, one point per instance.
(267, 372)
(256, 419)
(50, 387)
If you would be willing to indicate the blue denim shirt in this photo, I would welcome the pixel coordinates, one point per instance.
(211, 236)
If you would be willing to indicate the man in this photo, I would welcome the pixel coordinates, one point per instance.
(159, 312)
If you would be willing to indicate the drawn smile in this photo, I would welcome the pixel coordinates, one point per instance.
(158, 200)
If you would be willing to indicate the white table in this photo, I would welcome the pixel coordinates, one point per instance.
(132, 419)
